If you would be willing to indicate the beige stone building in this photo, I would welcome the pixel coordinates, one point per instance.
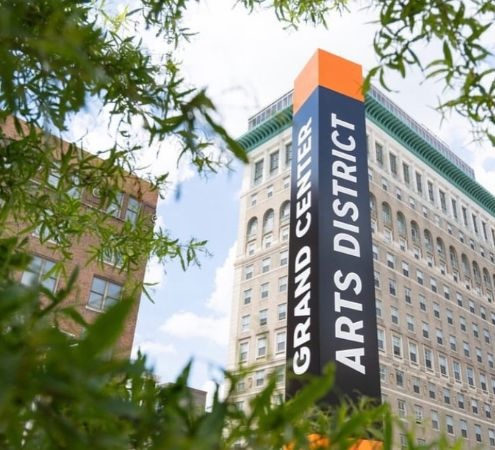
(434, 261)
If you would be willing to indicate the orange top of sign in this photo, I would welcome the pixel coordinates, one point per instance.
(330, 71)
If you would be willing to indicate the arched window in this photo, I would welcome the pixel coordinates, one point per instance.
(285, 211)
(440, 248)
(415, 233)
(401, 224)
(252, 228)
(386, 215)
(268, 221)
(428, 241)
(453, 258)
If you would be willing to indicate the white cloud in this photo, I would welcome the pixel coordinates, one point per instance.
(214, 325)
(189, 325)
(155, 273)
(221, 298)
(153, 349)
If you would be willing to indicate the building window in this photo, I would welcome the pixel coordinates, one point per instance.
(392, 287)
(453, 343)
(419, 183)
(132, 211)
(394, 315)
(274, 163)
(258, 172)
(265, 290)
(491, 437)
(413, 352)
(390, 260)
(454, 208)
(376, 278)
(115, 204)
(426, 330)
(393, 163)
(449, 421)
(435, 424)
(433, 284)
(431, 196)
(265, 265)
(288, 153)
(282, 311)
(267, 241)
(428, 358)
(407, 295)
(399, 377)
(245, 323)
(436, 310)
(446, 396)
(248, 272)
(379, 153)
(378, 307)
(457, 370)
(477, 432)
(243, 351)
(470, 376)
(381, 339)
(268, 221)
(397, 345)
(422, 302)
(442, 362)
(405, 268)
(280, 340)
(432, 391)
(259, 377)
(40, 270)
(285, 212)
(463, 427)
(460, 400)
(450, 317)
(263, 317)
(261, 347)
(247, 296)
(405, 173)
(282, 284)
(103, 294)
(416, 385)
(419, 276)
(410, 322)
(483, 382)
(254, 198)
(439, 334)
(401, 406)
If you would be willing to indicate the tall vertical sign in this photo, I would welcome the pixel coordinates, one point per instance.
(331, 301)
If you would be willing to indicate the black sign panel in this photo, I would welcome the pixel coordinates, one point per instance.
(331, 295)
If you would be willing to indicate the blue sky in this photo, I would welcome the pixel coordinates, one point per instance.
(245, 61)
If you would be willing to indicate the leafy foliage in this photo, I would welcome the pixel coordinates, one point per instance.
(59, 56)
(460, 34)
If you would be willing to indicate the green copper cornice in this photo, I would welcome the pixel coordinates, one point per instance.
(396, 128)
(262, 133)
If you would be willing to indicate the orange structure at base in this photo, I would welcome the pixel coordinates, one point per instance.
(319, 442)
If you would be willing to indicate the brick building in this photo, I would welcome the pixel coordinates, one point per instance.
(99, 284)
